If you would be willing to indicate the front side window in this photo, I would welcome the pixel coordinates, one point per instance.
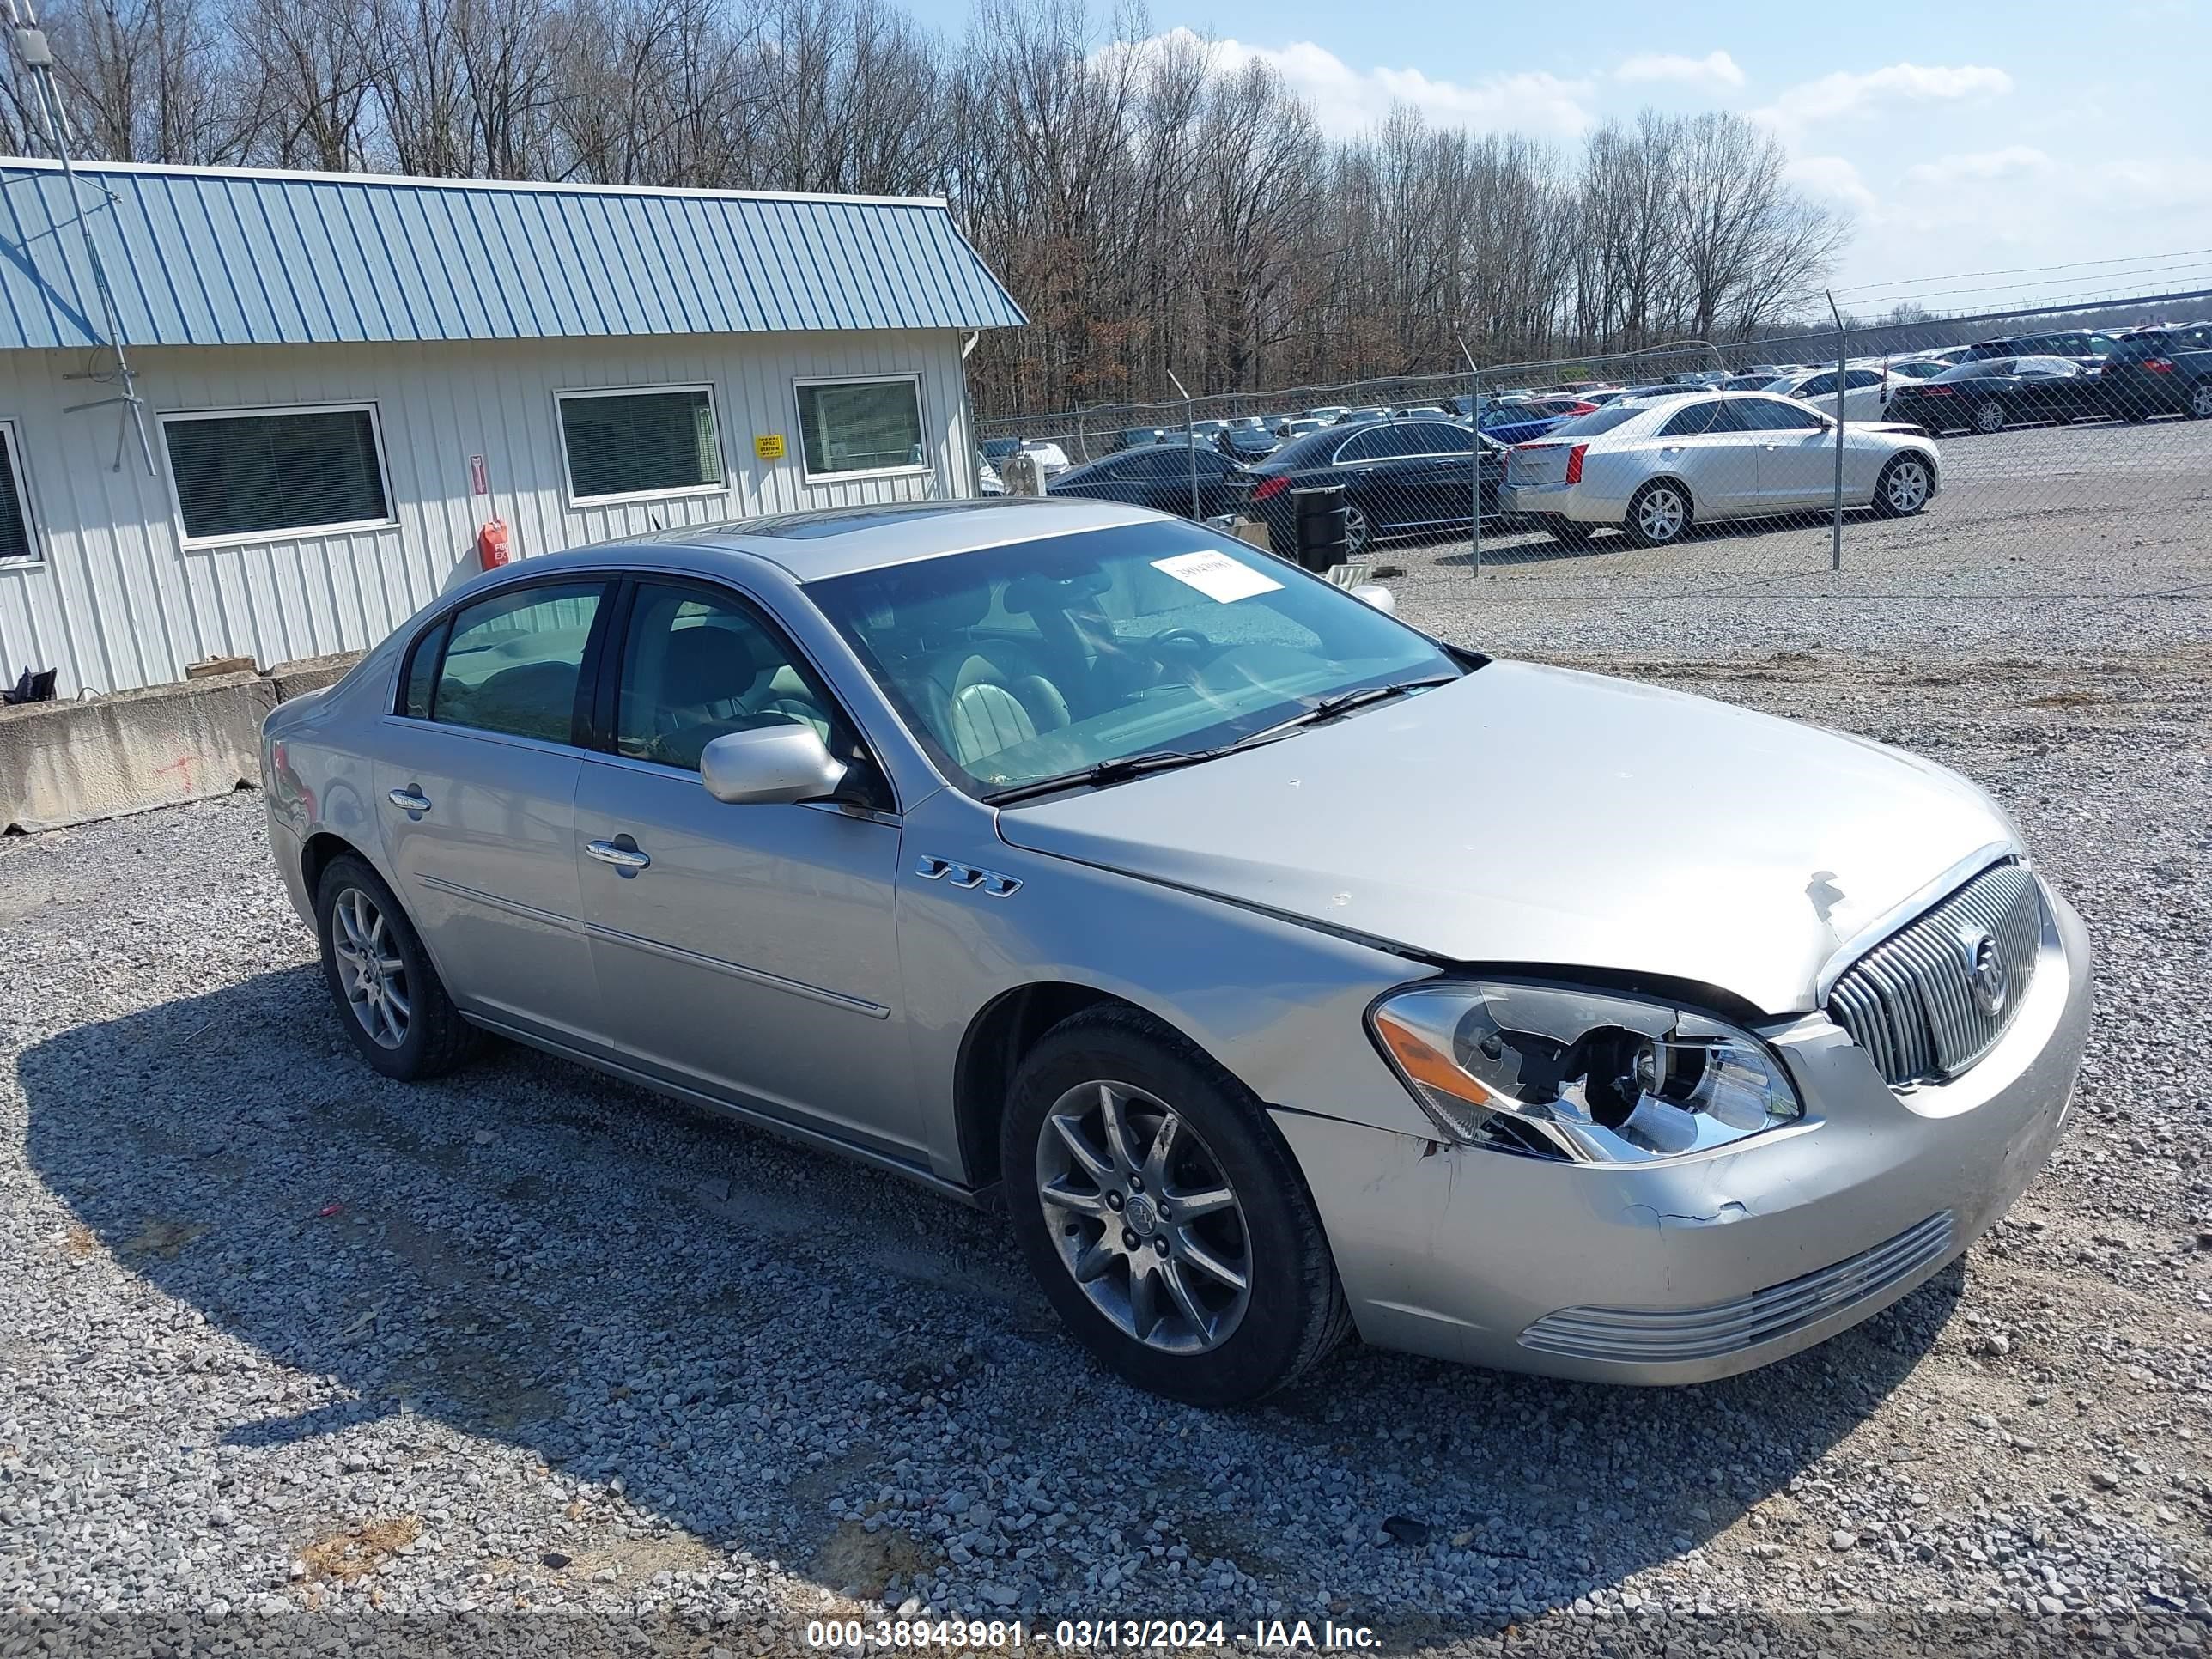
(291, 471)
(696, 665)
(511, 662)
(1042, 659)
(847, 427)
(624, 445)
(16, 541)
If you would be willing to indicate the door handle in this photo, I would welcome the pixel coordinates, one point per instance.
(409, 799)
(623, 858)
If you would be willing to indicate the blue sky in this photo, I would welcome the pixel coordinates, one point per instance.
(1961, 137)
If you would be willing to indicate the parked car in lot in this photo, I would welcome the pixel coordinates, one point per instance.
(1299, 427)
(1865, 391)
(2082, 345)
(1398, 477)
(1136, 437)
(1158, 476)
(1655, 469)
(1757, 380)
(987, 480)
(1248, 443)
(1328, 414)
(1359, 416)
(1053, 458)
(2159, 371)
(1988, 394)
(1026, 850)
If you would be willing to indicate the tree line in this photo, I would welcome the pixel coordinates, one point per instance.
(1154, 206)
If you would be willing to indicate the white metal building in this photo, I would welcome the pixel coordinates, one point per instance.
(345, 378)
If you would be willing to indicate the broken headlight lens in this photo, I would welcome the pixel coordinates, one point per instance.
(1584, 1075)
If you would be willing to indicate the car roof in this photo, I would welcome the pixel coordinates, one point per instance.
(840, 541)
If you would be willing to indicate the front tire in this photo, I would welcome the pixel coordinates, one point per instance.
(1163, 1217)
(1904, 487)
(1659, 514)
(389, 996)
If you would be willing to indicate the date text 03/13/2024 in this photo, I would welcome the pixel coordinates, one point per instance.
(1090, 1635)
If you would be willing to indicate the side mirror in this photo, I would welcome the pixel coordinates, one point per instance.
(1380, 597)
(769, 765)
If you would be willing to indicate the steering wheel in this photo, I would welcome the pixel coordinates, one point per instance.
(1184, 637)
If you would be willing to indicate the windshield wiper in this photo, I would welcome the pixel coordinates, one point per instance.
(1166, 760)
(1344, 703)
(1109, 771)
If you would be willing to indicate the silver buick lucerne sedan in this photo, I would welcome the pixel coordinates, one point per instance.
(1278, 970)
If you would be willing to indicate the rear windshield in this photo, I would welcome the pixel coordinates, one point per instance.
(1597, 421)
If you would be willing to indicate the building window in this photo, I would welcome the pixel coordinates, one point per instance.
(16, 541)
(861, 426)
(628, 445)
(250, 473)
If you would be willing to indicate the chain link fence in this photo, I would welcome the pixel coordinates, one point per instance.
(2000, 455)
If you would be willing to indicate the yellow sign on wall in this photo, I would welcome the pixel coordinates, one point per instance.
(768, 445)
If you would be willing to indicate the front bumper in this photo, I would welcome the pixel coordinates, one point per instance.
(1700, 1267)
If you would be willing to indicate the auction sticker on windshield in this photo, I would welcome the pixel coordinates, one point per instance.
(1217, 576)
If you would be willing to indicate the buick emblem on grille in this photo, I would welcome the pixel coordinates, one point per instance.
(1987, 977)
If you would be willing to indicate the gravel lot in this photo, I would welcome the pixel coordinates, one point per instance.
(527, 1360)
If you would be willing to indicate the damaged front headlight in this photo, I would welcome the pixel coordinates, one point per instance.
(1585, 1075)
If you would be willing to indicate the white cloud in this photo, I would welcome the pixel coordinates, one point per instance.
(1979, 166)
(1843, 96)
(1347, 101)
(1715, 68)
(1832, 178)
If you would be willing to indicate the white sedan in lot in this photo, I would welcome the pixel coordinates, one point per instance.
(1652, 467)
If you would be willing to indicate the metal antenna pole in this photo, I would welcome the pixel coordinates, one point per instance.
(1474, 437)
(1190, 442)
(1835, 523)
(38, 58)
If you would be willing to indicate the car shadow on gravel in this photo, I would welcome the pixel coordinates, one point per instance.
(779, 1353)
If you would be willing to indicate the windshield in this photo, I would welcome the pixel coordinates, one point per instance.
(1025, 662)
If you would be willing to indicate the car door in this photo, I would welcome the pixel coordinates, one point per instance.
(745, 950)
(476, 782)
(1439, 475)
(1371, 464)
(1707, 445)
(1795, 456)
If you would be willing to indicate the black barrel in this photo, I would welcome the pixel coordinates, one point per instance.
(1320, 526)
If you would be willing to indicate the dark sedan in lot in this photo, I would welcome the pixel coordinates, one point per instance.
(1398, 477)
(2159, 371)
(1158, 476)
(1989, 394)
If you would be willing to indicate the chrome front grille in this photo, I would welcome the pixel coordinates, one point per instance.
(1655, 1336)
(1919, 1003)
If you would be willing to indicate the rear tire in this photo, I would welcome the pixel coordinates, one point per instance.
(1357, 533)
(388, 997)
(2200, 401)
(1659, 514)
(1903, 489)
(1114, 1211)
(1989, 418)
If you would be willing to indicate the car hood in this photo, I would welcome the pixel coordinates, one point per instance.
(1529, 815)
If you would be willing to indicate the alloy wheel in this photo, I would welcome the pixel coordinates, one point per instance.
(1907, 489)
(1990, 417)
(1357, 531)
(1661, 514)
(1144, 1217)
(2200, 401)
(371, 970)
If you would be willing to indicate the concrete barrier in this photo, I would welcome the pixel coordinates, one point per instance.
(72, 763)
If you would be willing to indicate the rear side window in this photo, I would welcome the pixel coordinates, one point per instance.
(422, 672)
(1698, 419)
(513, 662)
(1771, 414)
(1597, 421)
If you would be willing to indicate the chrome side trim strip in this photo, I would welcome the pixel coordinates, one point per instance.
(492, 901)
(737, 970)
